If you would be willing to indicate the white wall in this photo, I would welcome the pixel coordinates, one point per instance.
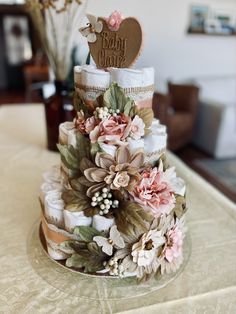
(174, 54)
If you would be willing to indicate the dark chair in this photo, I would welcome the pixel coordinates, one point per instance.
(177, 111)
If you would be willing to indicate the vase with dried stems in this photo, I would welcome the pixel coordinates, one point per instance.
(57, 23)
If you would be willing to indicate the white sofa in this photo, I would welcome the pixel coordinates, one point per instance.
(215, 130)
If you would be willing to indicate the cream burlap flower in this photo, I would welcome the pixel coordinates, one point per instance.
(118, 173)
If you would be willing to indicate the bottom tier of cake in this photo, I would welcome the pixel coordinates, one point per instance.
(124, 243)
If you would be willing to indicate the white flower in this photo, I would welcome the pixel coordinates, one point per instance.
(94, 27)
(141, 252)
(145, 251)
(137, 128)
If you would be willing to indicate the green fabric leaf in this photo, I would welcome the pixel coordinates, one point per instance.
(76, 200)
(82, 146)
(76, 101)
(68, 156)
(95, 148)
(77, 246)
(66, 247)
(96, 258)
(88, 256)
(90, 260)
(128, 107)
(133, 111)
(94, 249)
(77, 186)
(94, 264)
(180, 206)
(131, 216)
(76, 261)
(85, 164)
(115, 98)
(86, 233)
(91, 211)
(71, 156)
(79, 104)
(76, 207)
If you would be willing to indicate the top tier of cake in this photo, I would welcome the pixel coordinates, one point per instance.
(138, 84)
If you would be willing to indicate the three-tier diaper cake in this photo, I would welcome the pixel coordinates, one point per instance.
(114, 207)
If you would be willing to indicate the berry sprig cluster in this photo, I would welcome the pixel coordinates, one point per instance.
(114, 268)
(103, 113)
(104, 200)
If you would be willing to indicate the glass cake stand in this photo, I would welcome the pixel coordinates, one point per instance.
(87, 286)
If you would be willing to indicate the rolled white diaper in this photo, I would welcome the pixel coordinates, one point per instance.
(53, 208)
(138, 84)
(75, 219)
(67, 134)
(54, 236)
(132, 78)
(49, 187)
(101, 223)
(54, 251)
(91, 82)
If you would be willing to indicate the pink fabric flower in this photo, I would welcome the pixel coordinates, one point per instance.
(137, 128)
(90, 124)
(115, 20)
(112, 131)
(154, 191)
(174, 244)
(172, 255)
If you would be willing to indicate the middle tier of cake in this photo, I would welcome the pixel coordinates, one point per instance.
(153, 144)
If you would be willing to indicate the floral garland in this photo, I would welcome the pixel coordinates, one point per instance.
(106, 178)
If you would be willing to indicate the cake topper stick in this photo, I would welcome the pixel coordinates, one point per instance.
(113, 42)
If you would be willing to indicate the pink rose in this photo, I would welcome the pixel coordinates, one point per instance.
(115, 20)
(90, 124)
(137, 128)
(112, 131)
(154, 192)
(174, 244)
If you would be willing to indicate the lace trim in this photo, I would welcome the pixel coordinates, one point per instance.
(128, 90)
(160, 151)
(54, 221)
(51, 222)
(55, 247)
(154, 156)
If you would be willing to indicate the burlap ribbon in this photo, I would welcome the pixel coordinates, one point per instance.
(53, 235)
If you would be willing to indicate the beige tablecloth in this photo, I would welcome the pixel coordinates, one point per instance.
(207, 284)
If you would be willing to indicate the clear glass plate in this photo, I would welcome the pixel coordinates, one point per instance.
(86, 286)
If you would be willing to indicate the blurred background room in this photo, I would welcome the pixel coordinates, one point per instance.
(190, 43)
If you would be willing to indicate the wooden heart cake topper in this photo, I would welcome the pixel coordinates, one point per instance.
(113, 42)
